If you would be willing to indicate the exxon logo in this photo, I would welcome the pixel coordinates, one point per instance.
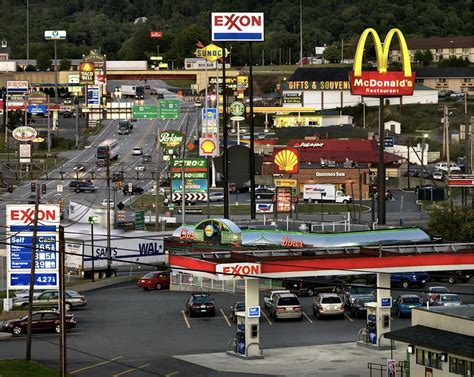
(238, 270)
(27, 215)
(233, 21)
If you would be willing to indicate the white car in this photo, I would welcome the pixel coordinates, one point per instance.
(438, 175)
(140, 167)
(137, 151)
(104, 202)
(24, 293)
(443, 166)
(216, 196)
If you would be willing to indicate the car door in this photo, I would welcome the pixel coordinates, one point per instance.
(49, 321)
(396, 304)
(37, 322)
(43, 300)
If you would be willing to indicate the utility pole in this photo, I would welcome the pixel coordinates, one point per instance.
(62, 302)
(32, 274)
(109, 250)
(381, 167)
(157, 181)
(49, 129)
(301, 33)
(76, 102)
(225, 155)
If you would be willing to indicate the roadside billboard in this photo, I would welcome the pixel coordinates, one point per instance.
(237, 26)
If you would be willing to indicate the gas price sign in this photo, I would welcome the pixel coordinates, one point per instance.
(21, 248)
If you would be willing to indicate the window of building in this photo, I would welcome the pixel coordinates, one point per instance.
(460, 366)
(466, 50)
(467, 80)
(439, 50)
(420, 81)
(442, 80)
(428, 358)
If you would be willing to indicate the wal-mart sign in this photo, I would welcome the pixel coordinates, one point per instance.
(242, 27)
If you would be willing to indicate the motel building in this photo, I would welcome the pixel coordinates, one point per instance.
(329, 88)
(349, 164)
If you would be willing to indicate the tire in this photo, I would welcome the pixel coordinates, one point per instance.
(158, 286)
(310, 292)
(452, 280)
(259, 197)
(190, 313)
(17, 330)
(145, 288)
(67, 306)
(344, 202)
(57, 329)
(405, 284)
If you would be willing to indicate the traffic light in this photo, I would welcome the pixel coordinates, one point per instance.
(33, 186)
(43, 188)
(10, 187)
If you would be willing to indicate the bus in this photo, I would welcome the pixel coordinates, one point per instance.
(107, 149)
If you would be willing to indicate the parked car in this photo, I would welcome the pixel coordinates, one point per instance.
(285, 306)
(447, 299)
(352, 292)
(269, 296)
(358, 308)
(41, 321)
(24, 293)
(403, 305)
(438, 175)
(155, 280)
(328, 304)
(237, 307)
(453, 277)
(104, 202)
(117, 176)
(430, 293)
(264, 193)
(216, 196)
(136, 190)
(137, 151)
(140, 167)
(443, 166)
(412, 173)
(310, 285)
(409, 279)
(199, 304)
(82, 186)
(49, 299)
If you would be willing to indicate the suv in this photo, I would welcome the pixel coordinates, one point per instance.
(124, 127)
(200, 303)
(409, 279)
(285, 305)
(136, 190)
(443, 166)
(328, 304)
(351, 293)
(308, 286)
(82, 186)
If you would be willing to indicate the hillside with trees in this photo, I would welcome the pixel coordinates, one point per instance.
(120, 28)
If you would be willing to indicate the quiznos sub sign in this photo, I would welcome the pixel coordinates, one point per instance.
(382, 83)
(231, 26)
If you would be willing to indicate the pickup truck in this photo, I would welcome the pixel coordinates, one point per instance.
(269, 297)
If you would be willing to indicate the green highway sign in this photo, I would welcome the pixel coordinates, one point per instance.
(140, 220)
(198, 164)
(145, 112)
(169, 109)
(189, 175)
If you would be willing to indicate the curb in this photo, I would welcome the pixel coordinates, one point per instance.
(5, 336)
(87, 287)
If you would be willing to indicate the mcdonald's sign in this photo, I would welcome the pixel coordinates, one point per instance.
(382, 83)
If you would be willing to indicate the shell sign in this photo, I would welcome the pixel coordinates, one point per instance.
(286, 160)
(208, 146)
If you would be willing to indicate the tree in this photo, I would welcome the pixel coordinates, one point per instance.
(65, 65)
(43, 61)
(452, 223)
(419, 56)
(332, 54)
(427, 57)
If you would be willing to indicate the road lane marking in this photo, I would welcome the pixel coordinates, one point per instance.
(306, 316)
(348, 317)
(130, 370)
(96, 365)
(225, 317)
(186, 319)
(171, 374)
(266, 317)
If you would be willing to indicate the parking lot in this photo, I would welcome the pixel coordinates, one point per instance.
(127, 331)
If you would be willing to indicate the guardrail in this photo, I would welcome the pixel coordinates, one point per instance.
(381, 370)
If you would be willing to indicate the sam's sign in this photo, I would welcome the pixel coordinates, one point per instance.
(382, 83)
(228, 271)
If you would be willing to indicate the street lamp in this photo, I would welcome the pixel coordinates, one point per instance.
(423, 144)
(55, 35)
(93, 220)
(323, 195)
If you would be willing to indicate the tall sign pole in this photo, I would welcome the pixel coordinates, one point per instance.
(224, 139)
(253, 208)
(381, 167)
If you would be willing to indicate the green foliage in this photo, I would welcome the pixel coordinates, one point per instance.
(43, 61)
(452, 61)
(332, 54)
(423, 57)
(64, 65)
(23, 368)
(452, 224)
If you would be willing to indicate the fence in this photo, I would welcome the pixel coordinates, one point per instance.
(381, 370)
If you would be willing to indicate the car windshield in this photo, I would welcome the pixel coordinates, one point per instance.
(288, 301)
(440, 290)
(411, 300)
(365, 299)
(202, 299)
(239, 306)
(450, 298)
(149, 275)
(361, 290)
(330, 300)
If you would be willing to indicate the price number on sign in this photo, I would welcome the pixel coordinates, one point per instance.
(45, 279)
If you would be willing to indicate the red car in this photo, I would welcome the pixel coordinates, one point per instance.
(155, 280)
(41, 321)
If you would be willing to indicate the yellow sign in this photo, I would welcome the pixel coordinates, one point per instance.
(293, 183)
(211, 53)
(382, 52)
(319, 85)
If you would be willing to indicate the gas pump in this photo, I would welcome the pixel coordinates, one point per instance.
(240, 335)
(371, 325)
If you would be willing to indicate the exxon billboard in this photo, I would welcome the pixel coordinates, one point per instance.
(243, 27)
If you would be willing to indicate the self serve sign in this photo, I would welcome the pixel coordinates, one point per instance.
(237, 27)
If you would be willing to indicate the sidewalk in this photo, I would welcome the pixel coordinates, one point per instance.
(331, 360)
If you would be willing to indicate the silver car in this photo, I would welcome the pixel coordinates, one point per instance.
(285, 306)
(447, 299)
(328, 304)
(50, 299)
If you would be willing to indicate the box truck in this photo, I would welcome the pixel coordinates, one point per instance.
(324, 193)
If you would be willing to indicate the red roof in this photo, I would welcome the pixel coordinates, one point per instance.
(361, 151)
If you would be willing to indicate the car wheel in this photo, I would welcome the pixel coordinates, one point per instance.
(57, 329)
(452, 280)
(318, 315)
(259, 197)
(310, 292)
(344, 201)
(67, 306)
(145, 288)
(190, 313)
(17, 330)
(158, 286)
(405, 284)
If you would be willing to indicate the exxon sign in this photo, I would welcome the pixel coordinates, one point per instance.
(230, 271)
(227, 27)
(24, 214)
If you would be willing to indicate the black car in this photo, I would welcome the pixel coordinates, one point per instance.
(453, 277)
(238, 307)
(117, 176)
(200, 304)
(264, 193)
(136, 190)
(358, 308)
(310, 285)
(82, 186)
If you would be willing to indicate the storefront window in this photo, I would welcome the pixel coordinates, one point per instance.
(419, 356)
(428, 358)
(460, 366)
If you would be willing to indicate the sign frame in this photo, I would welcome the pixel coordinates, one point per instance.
(249, 26)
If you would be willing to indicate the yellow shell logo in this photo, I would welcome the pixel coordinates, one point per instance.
(286, 160)
(208, 146)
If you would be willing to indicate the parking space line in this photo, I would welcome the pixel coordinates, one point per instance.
(96, 365)
(225, 317)
(348, 317)
(171, 374)
(130, 370)
(266, 317)
(186, 319)
(306, 316)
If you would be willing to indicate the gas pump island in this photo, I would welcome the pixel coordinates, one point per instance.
(213, 248)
